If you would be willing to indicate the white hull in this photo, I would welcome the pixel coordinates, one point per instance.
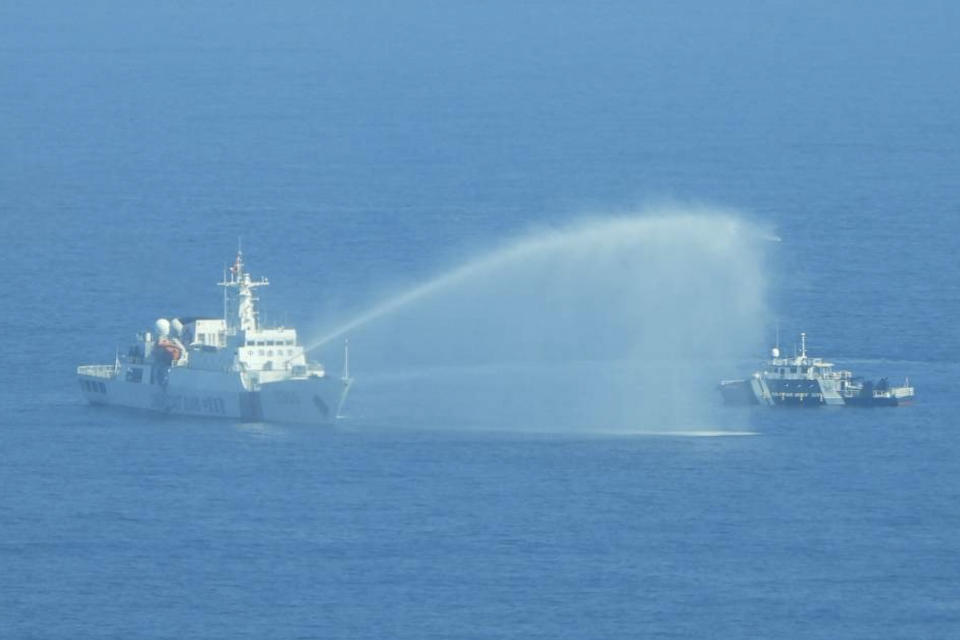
(314, 400)
(230, 367)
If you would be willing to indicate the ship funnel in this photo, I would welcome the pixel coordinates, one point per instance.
(163, 326)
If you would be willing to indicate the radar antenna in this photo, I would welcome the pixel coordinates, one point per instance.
(239, 302)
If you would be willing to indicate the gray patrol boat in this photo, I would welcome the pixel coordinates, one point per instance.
(803, 381)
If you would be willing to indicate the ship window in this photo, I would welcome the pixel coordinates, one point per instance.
(260, 352)
(103, 387)
(793, 369)
(270, 353)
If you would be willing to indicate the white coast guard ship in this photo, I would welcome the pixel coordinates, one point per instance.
(228, 367)
(803, 381)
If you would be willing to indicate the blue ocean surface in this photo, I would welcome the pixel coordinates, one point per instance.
(360, 149)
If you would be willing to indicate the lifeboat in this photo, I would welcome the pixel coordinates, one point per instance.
(169, 351)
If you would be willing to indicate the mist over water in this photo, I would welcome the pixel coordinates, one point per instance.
(611, 324)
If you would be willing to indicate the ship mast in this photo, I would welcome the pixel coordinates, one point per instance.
(240, 310)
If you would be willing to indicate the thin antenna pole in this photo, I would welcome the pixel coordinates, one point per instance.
(225, 321)
(346, 359)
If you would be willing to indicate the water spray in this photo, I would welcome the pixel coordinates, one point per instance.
(611, 233)
(618, 323)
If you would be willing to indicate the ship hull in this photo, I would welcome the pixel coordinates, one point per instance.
(805, 394)
(872, 402)
(737, 392)
(756, 391)
(313, 400)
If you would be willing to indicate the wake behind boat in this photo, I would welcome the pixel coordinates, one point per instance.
(810, 382)
(229, 367)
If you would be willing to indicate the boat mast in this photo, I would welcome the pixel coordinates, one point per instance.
(240, 311)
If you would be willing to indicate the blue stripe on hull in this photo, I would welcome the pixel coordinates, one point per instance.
(250, 407)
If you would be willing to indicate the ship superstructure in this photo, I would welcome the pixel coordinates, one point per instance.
(229, 367)
(809, 382)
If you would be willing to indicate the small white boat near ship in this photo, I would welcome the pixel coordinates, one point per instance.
(229, 367)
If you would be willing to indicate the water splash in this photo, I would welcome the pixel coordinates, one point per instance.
(623, 321)
(608, 235)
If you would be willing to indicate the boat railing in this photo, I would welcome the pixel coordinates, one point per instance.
(99, 370)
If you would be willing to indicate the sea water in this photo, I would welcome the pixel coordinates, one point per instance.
(364, 151)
